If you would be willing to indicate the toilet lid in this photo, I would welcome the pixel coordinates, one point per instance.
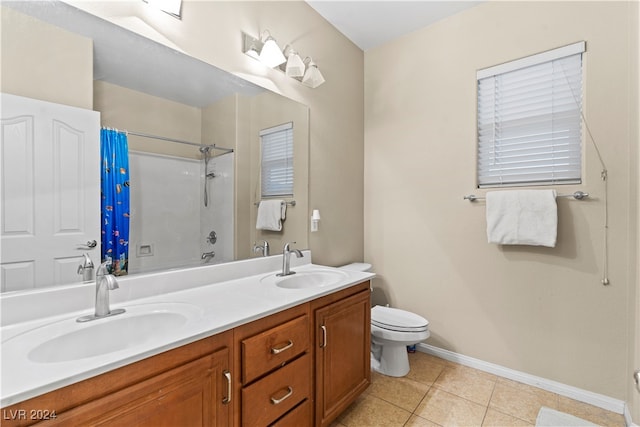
(397, 320)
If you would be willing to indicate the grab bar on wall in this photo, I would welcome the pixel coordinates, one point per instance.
(578, 195)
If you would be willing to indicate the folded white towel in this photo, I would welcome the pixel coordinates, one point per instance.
(522, 217)
(271, 213)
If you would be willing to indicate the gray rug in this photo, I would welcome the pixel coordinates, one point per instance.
(548, 417)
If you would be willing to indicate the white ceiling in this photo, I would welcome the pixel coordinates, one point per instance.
(369, 24)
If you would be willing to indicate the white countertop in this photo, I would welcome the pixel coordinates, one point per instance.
(234, 295)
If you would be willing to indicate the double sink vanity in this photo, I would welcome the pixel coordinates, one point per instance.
(230, 344)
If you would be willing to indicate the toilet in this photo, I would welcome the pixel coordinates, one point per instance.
(392, 330)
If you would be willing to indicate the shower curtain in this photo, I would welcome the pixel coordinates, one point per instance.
(115, 200)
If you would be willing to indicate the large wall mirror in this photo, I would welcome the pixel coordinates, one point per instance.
(194, 156)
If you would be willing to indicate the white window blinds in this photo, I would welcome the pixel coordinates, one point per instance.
(529, 120)
(277, 160)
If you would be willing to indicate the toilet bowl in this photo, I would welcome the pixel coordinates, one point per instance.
(392, 330)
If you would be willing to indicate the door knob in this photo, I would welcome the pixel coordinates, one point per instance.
(636, 377)
(89, 245)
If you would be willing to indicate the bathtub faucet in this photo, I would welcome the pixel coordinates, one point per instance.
(207, 256)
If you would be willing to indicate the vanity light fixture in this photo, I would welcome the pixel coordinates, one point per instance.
(312, 77)
(295, 66)
(271, 55)
(266, 50)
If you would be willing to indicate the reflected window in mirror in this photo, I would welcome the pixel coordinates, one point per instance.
(277, 160)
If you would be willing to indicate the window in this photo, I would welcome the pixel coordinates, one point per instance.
(277, 160)
(530, 120)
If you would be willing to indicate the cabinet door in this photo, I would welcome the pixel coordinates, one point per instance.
(194, 394)
(342, 355)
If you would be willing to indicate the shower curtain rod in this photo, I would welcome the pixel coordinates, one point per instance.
(164, 138)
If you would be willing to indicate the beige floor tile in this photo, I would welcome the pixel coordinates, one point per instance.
(468, 383)
(371, 411)
(521, 401)
(543, 394)
(425, 368)
(591, 413)
(447, 409)
(416, 421)
(494, 418)
(402, 392)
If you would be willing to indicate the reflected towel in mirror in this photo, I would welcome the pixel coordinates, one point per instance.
(271, 213)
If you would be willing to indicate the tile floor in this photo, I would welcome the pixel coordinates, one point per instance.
(440, 393)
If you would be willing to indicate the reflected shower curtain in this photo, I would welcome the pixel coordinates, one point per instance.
(114, 170)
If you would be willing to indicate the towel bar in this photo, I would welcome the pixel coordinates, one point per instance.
(289, 203)
(578, 195)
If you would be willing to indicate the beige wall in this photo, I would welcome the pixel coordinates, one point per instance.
(269, 110)
(211, 31)
(634, 252)
(537, 310)
(44, 62)
(130, 110)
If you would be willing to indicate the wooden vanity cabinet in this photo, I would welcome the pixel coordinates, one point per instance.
(342, 349)
(299, 367)
(274, 360)
(187, 386)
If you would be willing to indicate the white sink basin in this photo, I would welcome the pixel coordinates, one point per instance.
(307, 279)
(68, 340)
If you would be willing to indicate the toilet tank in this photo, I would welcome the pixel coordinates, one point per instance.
(378, 296)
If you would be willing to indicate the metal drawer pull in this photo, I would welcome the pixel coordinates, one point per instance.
(275, 401)
(280, 350)
(324, 336)
(227, 399)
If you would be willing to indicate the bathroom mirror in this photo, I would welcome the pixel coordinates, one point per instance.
(160, 95)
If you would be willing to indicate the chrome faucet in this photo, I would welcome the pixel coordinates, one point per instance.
(286, 258)
(264, 248)
(86, 269)
(105, 282)
(206, 256)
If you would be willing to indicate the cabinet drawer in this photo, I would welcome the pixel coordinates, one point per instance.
(298, 417)
(271, 397)
(270, 349)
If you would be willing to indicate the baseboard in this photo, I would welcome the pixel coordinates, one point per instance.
(627, 417)
(595, 399)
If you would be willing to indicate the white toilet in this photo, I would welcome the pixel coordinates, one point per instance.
(392, 330)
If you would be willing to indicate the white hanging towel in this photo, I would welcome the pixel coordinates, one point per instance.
(522, 217)
(271, 213)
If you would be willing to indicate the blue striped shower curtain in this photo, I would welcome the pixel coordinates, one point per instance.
(114, 206)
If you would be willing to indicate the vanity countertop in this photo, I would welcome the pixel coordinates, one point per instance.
(224, 303)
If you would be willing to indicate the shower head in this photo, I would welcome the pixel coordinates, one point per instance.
(205, 149)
